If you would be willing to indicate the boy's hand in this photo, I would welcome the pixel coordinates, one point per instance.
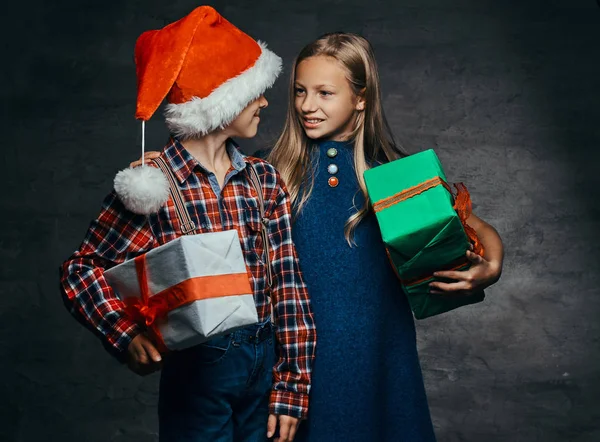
(480, 275)
(287, 427)
(142, 356)
(148, 157)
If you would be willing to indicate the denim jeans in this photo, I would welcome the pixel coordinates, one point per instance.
(219, 391)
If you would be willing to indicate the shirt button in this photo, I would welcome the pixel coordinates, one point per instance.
(332, 169)
(332, 152)
(333, 181)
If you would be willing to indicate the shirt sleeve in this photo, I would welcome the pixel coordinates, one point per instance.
(113, 237)
(294, 318)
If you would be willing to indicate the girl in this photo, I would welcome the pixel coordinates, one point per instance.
(367, 382)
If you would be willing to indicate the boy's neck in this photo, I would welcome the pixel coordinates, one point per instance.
(210, 151)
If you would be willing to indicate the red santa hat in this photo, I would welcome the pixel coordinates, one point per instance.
(209, 71)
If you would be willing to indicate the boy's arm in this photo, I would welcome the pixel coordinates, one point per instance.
(293, 316)
(113, 237)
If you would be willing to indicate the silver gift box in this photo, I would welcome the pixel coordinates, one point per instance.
(191, 256)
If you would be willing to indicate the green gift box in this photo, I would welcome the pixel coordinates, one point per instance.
(421, 228)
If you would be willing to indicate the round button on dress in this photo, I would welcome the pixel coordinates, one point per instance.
(332, 169)
(333, 181)
(332, 152)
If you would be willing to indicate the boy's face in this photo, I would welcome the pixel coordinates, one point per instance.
(246, 123)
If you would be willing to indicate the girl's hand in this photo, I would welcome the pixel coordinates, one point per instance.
(148, 157)
(480, 275)
(287, 427)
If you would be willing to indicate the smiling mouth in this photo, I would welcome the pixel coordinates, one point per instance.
(312, 122)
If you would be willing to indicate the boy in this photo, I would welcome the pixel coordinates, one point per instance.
(222, 390)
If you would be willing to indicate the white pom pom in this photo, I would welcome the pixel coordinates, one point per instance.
(143, 190)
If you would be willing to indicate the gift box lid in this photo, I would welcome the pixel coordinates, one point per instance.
(390, 178)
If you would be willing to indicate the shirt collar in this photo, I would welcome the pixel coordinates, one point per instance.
(183, 163)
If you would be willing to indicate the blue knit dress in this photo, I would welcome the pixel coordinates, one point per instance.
(367, 381)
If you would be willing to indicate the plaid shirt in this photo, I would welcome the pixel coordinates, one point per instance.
(118, 235)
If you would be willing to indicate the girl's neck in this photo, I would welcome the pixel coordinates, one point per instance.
(347, 141)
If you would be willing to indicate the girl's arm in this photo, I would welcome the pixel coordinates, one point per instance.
(492, 244)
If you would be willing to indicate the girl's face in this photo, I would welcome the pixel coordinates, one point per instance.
(325, 103)
(246, 123)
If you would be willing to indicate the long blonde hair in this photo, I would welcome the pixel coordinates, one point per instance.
(373, 139)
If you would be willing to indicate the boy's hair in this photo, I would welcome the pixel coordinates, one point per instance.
(373, 139)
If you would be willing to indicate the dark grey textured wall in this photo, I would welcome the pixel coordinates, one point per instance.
(507, 94)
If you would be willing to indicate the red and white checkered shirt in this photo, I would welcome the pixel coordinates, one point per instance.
(117, 235)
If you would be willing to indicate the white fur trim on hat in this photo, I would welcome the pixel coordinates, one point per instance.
(143, 190)
(200, 116)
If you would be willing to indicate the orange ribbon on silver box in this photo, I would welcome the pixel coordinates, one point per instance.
(147, 309)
